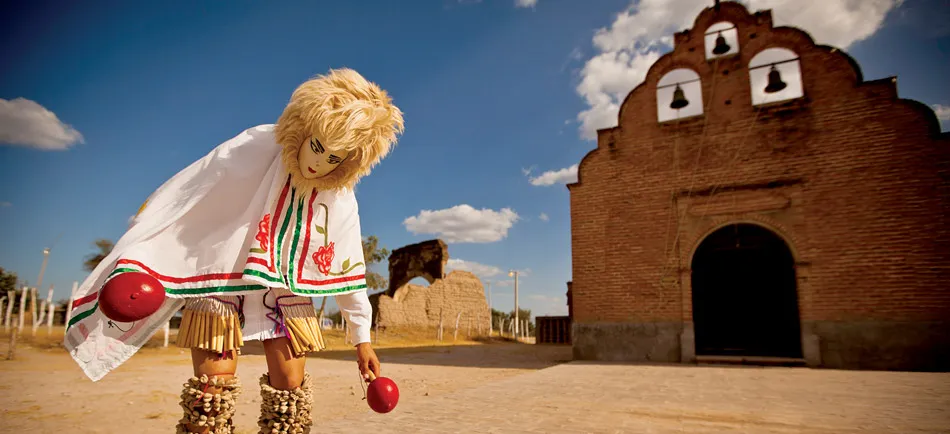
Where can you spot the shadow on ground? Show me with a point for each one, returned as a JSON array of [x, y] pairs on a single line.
[[491, 355]]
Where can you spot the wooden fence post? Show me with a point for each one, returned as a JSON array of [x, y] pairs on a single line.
[[440, 325], [69, 306], [49, 319], [33, 293], [13, 335], [22, 315], [44, 306], [376, 329], [11, 296]]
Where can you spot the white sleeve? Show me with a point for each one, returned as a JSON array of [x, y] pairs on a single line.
[[358, 314]]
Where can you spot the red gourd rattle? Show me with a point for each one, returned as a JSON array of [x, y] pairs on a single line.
[[382, 394], [130, 297]]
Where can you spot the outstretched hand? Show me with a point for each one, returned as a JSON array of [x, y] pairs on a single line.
[[367, 361]]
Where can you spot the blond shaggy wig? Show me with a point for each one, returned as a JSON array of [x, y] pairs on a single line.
[[345, 112]]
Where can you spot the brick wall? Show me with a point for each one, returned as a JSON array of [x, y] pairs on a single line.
[[853, 177]]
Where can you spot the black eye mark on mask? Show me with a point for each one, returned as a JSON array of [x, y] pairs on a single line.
[[334, 160], [316, 146]]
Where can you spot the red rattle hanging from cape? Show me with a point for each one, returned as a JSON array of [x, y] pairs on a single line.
[[130, 297]]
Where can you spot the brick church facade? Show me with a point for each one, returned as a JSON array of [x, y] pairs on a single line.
[[795, 213]]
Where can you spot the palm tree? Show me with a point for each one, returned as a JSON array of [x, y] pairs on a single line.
[[92, 261]]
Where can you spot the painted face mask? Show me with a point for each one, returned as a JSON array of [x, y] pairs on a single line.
[[316, 161]]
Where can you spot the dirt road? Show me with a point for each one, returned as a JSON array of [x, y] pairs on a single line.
[[44, 390]]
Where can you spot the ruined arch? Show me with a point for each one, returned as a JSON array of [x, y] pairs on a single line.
[[426, 260]]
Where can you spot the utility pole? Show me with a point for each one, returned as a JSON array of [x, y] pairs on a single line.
[[514, 273], [39, 281]]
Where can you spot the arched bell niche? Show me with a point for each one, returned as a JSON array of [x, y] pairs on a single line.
[[775, 74], [679, 94], [721, 40]]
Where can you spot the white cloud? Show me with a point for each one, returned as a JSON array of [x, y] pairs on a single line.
[[641, 33], [525, 3], [24, 122], [463, 224], [561, 176], [942, 111], [480, 270], [544, 217]]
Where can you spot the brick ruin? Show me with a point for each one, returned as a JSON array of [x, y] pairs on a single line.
[[406, 304]]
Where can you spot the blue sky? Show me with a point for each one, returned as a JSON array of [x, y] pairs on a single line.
[[495, 93]]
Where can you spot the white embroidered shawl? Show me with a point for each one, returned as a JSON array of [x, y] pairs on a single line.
[[230, 223]]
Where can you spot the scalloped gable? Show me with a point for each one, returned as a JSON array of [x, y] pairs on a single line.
[[852, 179], [840, 78]]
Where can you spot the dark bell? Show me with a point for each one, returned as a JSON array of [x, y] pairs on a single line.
[[775, 81], [721, 46], [679, 99]]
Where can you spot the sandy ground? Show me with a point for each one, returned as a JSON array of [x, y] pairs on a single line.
[[43, 389]]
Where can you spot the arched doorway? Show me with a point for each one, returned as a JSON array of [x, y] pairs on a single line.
[[745, 301]]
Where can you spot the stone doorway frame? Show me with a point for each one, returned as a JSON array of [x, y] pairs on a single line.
[[701, 228]]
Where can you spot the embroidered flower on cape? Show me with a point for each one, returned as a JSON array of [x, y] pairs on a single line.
[[262, 234], [323, 257]]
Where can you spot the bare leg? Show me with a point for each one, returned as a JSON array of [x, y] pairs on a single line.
[[285, 370], [213, 365]]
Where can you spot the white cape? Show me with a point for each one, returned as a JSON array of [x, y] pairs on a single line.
[[230, 223]]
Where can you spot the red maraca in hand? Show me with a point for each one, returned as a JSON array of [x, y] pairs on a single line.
[[382, 394], [130, 297]]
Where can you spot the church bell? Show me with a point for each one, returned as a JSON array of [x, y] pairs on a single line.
[[775, 81], [679, 99], [721, 46]]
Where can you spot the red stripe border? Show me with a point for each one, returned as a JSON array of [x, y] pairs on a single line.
[[259, 261], [334, 280], [170, 279], [87, 299], [276, 218], [305, 250], [306, 238]]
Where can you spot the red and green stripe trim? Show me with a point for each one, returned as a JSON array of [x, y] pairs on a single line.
[[170, 279], [280, 206], [184, 291], [303, 259], [329, 291], [283, 229], [293, 245], [83, 315], [87, 299]]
